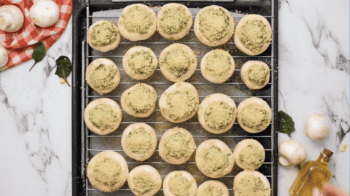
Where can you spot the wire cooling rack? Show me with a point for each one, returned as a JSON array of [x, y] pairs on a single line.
[[87, 144]]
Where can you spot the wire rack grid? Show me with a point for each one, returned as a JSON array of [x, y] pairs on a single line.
[[235, 88]]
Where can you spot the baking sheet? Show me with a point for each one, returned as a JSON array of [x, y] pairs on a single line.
[[234, 87]]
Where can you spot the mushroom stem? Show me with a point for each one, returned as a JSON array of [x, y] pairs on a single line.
[[283, 161], [291, 153]]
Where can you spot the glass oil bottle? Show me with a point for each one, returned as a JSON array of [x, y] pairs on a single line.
[[313, 174]]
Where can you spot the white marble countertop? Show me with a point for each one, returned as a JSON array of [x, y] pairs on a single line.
[[314, 69]]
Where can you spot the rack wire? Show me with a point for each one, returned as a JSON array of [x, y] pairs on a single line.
[[234, 88]]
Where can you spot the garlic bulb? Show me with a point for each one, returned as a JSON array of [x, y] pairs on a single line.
[[3, 56], [44, 13], [316, 127], [291, 153], [11, 18]]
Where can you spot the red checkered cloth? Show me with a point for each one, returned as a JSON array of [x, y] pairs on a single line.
[[21, 44]]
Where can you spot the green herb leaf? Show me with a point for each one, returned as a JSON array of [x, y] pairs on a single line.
[[38, 54], [286, 123], [64, 67]]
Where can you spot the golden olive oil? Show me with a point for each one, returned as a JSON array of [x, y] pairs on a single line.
[[313, 174]]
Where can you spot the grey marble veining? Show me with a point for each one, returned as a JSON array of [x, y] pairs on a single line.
[[314, 77], [314, 69], [36, 127]]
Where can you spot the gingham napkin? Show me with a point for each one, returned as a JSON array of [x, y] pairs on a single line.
[[21, 44]]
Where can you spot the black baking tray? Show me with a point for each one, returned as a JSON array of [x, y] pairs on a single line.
[[79, 35]]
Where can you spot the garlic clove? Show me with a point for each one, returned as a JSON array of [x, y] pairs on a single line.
[[343, 147], [316, 127], [291, 153], [3, 57], [44, 13], [11, 18], [62, 81]]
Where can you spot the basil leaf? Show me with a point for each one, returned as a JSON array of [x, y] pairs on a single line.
[[286, 123], [64, 68], [38, 54]]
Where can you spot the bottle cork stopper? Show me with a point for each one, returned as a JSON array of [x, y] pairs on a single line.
[[327, 152]]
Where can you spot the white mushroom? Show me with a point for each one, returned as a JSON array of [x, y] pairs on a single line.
[[291, 153], [316, 127], [3, 57], [44, 13], [36, 1], [11, 18]]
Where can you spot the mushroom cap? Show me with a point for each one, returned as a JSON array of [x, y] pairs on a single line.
[[180, 86], [241, 146], [247, 102], [36, 1], [244, 75], [166, 72], [217, 97], [44, 13], [239, 44], [137, 36], [184, 31], [162, 147], [116, 110], [221, 186], [291, 153], [127, 149], [122, 178], [316, 127], [129, 110], [93, 65], [200, 157], [152, 172], [216, 79], [108, 47], [166, 186], [11, 18], [223, 40], [129, 71], [257, 174], [3, 57]]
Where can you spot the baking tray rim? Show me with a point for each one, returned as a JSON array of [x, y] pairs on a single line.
[[79, 7]]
